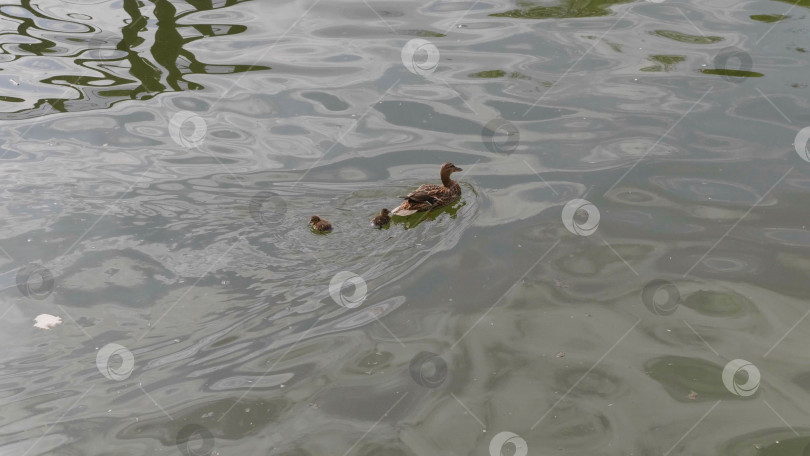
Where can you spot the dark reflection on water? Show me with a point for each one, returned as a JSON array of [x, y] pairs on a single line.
[[88, 67], [682, 376]]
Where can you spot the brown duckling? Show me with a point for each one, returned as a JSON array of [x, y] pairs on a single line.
[[430, 196], [320, 225], [382, 219]]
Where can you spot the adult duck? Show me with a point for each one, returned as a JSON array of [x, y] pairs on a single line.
[[430, 196]]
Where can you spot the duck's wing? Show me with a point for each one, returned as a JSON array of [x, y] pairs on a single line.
[[428, 188], [423, 198], [420, 197], [417, 201]]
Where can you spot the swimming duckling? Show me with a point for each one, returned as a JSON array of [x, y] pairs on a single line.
[[430, 196], [382, 219], [320, 225]]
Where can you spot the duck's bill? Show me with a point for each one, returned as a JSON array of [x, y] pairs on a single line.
[[459, 169]]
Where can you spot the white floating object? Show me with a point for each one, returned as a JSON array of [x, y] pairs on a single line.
[[46, 321]]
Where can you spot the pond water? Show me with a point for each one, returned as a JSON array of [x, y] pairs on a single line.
[[625, 272]]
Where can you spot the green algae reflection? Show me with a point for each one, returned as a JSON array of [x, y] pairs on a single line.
[[664, 62], [768, 18], [732, 73], [422, 33], [686, 38], [494, 74], [682, 376], [489, 74], [804, 3], [719, 304], [566, 9]]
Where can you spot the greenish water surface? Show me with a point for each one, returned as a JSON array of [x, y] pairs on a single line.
[[625, 272]]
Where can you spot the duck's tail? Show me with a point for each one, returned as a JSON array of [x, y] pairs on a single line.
[[402, 212]]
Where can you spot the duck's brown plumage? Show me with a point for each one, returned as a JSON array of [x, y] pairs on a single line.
[[429, 196], [319, 224], [382, 219]]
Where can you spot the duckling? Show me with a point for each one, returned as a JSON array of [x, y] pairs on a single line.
[[430, 196], [320, 225], [382, 219]]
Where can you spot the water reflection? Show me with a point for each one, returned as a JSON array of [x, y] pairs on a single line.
[[198, 260], [567, 8], [88, 67]]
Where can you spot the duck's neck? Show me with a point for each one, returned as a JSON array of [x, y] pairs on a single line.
[[446, 181]]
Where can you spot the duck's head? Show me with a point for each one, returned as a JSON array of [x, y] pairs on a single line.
[[315, 219], [385, 212], [450, 168]]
